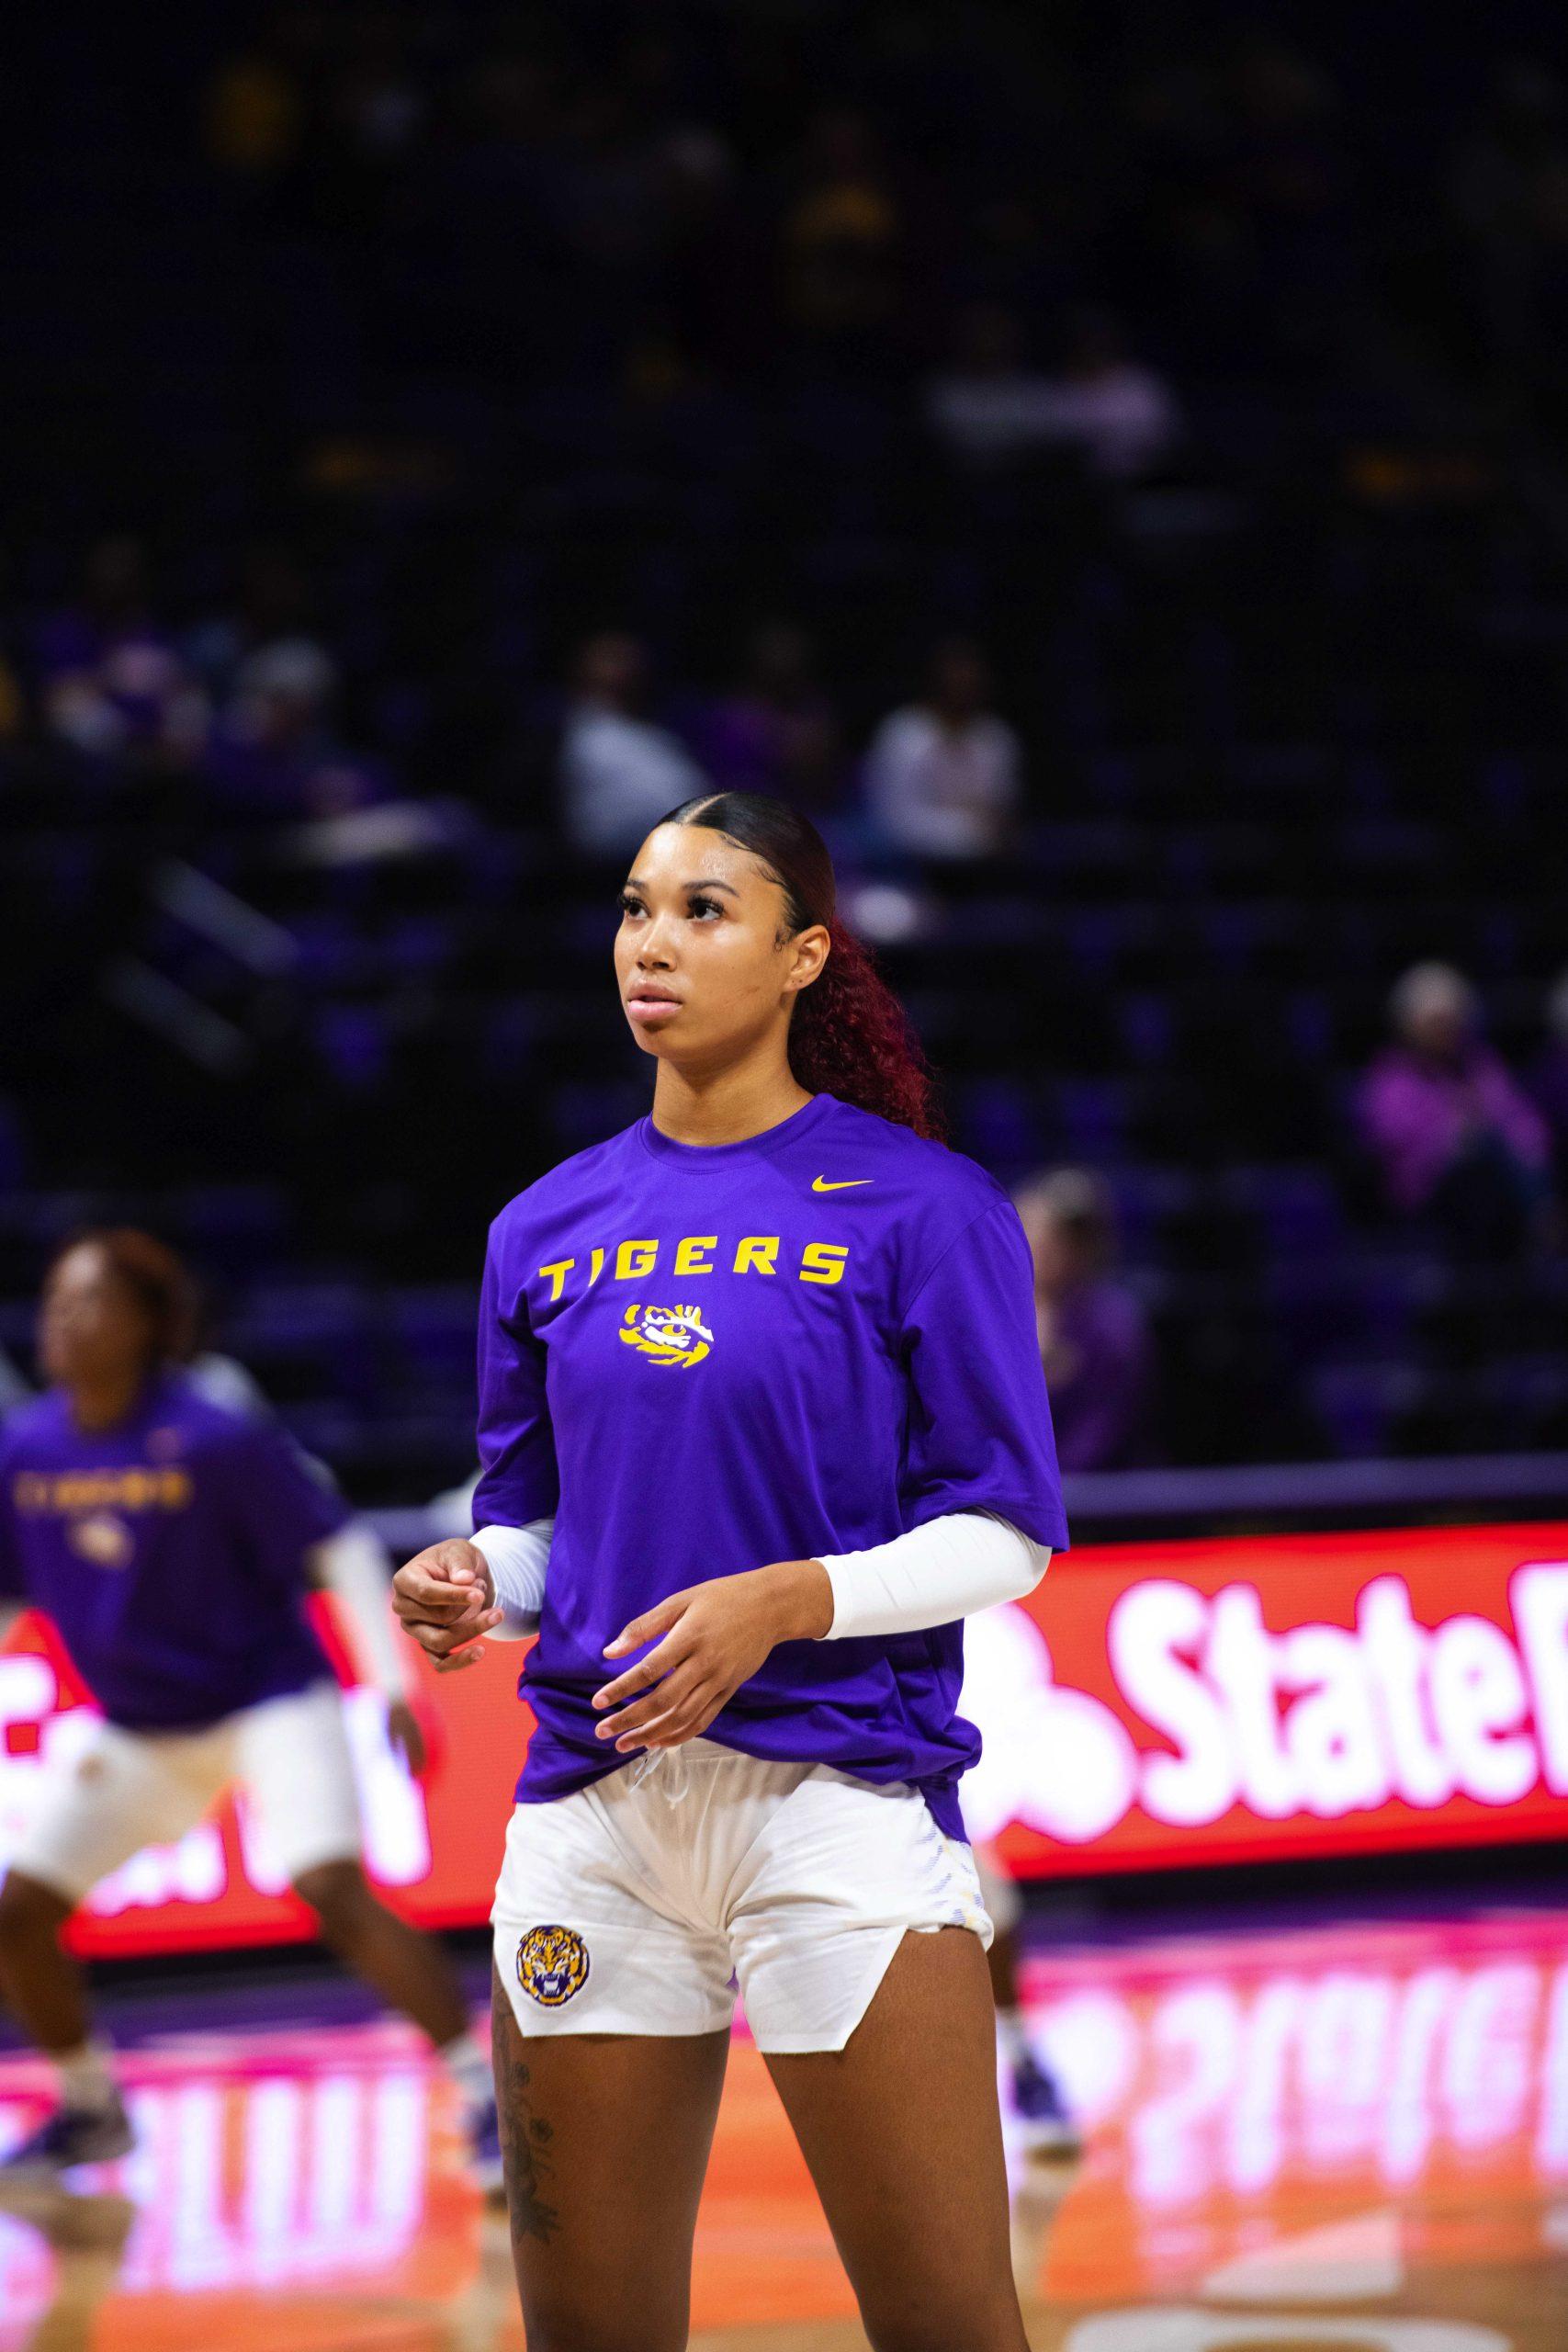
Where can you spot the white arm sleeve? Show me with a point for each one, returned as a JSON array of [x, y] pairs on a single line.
[[356, 1569], [949, 1568], [517, 1557]]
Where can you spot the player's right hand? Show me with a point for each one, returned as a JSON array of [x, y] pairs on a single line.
[[446, 1601]]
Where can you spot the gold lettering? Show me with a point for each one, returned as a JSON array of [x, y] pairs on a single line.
[[635, 1258], [557, 1275], [822, 1262], [597, 1268], [758, 1254], [689, 1258]]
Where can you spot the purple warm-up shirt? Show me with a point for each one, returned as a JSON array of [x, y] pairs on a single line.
[[702, 1359], [169, 1552]]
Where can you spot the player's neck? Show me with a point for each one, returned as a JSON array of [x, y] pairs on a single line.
[[726, 1105], [105, 1403]]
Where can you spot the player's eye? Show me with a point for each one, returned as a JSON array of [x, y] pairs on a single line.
[[701, 906], [629, 903]]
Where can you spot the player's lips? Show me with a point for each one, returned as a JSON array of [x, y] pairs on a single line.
[[651, 1004]]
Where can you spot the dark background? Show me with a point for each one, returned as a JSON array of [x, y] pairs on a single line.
[[436, 339]]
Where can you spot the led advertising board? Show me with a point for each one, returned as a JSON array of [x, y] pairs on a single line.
[[1153, 1705]]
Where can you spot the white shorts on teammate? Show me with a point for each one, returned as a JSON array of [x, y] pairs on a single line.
[[126, 1789]]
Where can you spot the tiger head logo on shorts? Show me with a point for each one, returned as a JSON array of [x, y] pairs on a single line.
[[667, 1334], [552, 1964]]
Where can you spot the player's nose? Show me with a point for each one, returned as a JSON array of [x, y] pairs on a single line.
[[653, 953]]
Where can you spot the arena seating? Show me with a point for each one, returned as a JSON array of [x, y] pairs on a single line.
[[1291, 709]]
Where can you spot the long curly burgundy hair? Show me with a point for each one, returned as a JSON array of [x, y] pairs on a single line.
[[848, 1035]]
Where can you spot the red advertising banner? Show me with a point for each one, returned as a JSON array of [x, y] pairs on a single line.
[[1153, 1705], [1261, 1697], [433, 1846]]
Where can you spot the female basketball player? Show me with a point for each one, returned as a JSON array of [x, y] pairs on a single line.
[[760, 1374], [171, 1542]]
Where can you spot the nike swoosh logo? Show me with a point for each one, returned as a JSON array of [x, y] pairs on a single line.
[[844, 1184]]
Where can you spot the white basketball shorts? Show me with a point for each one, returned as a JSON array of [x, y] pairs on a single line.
[[633, 1905], [130, 1789]]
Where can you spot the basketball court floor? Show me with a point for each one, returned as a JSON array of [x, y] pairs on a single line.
[[1305, 2134]]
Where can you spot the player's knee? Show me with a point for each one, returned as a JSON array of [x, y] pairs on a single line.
[[28, 1911], [340, 1900]]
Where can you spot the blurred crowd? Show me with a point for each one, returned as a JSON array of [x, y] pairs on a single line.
[[245, 699], [704, 191]]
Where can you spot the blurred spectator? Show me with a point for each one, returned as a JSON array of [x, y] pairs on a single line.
[[943, 776], [1456, 1138], [1121, 413], [843, 230], [1550, 1085], [1094, 1341], [272, 604], [619, 772], [987, 406], [113, 684], [777, 733], [992, 409], [275, 749]]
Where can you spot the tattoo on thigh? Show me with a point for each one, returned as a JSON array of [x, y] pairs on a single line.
[[526, 2135]]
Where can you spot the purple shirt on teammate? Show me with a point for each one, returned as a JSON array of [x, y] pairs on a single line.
[[169, 1552], [703, 1359]]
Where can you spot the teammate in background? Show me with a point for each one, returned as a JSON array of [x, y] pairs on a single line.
[[1094, 1335], [1048, 2126], [1095, 1348], [760, 1388], [173, 1544]]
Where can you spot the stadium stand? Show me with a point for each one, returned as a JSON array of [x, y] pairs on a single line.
[[300, 572]]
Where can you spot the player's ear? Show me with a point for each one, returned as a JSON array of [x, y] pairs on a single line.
[[809, 954]]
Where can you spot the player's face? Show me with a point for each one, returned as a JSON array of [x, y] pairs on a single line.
[[703, 960], [90, 1326]]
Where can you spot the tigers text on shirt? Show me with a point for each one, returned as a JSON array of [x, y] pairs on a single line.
[[695, 1253]]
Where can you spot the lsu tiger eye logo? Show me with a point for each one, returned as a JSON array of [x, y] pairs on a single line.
[[667, 1334], [101, 1538], [552, 1964]]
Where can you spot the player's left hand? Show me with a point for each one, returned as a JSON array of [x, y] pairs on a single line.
[[404, 1733], [710, 1639]]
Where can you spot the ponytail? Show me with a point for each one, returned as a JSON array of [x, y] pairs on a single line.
[[848, 1035], [851, 1037]]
